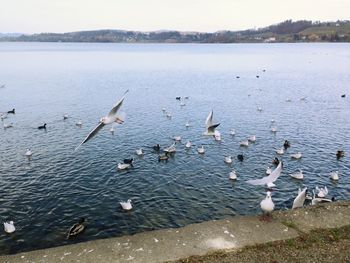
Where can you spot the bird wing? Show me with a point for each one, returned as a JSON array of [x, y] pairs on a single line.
[[91, 134], [300, 199], [268, 179], [117, 106], [209, 120], [211, 129]]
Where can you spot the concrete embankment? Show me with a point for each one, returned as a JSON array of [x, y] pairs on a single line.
[[196, 239]]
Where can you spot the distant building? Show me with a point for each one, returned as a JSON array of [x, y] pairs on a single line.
[[270, 39]]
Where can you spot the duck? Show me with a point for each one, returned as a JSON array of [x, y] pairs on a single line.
[[128, 161], [139, 152], [123, 166], [11, 111], [340, 154], [178, 98], [28, 153], [298, 175], [257, 76], [126, 205], [267, 205], [334, 176], [280, 151], [232, 132], [233, 175], [240, 157], [252, 138], [228, 159], [201, 149], [8, 125], [286, 144], [268, 170], [188, 144], [244, 143], [237, 77], [273, 129], [321, 192], [9, 227], [343, 96], [177, 138], [156, 147], [296, 155], [275, 161], [43, 127], [77, 228], [163, 157], [79, 123], [65, 116]]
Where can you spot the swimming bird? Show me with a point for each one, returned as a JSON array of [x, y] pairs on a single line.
[[233, 175], [11, 111], [170, 149], [296, 155], [163, 157], [289, 100], [210, 127], [112, 130], [112, 117], [128, 161], [217, 135], [139, 152], [156, 147], [177, 138], [303, 98], [334, 176], [201, 149], [298, 175], [321, 192], [187, 124], [286, 144], [273, 129], [9, 227], [300, 199], [267, 206], [123, 166], [126, 205], [252, 138], [317, 200], [343, 96], [43, 127], [244, 143], [280, 151], [232, 132], [188, 144], [268, 180], [228, 159], [168, 115], [8, 125], [3, 116], [77, 228], [259, 109], [65, 116], [268, 170], [340, 154], [182, 104], [79, 123], [257, 76], [240, 157], [28, 153], [275, 161], [178, 98]]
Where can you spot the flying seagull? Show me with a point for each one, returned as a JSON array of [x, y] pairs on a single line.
[[110, 118], [209, 125], [268, 180]]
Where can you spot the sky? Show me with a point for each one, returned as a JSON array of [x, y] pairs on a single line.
[[36, 16]]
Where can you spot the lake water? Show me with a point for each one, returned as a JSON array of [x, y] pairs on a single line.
[[47, 195]]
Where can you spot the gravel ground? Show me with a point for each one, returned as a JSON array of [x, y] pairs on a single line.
[[331, 245]]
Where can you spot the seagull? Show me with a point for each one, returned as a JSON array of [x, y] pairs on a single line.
[[126, 205], [9, 227], [187, 124], [316, 200], [168, 115], [334, 175], [28, 153], [289, 100], [267, 205], [296, 155], [112, 130], [244, 143], [233, 175], [210, 127], [260, 109], [201, 150], [188, 144], [79, 123], [65, 116], [170, 149], [268, 180], [298, 175], [123, 166], [232, 132], [321, 192], [300, 199], [273, 129], [280, 151], [139, 152], [252, 138], [177, 138], [110, 118], [217, 135], [228, 159], [8, 125]]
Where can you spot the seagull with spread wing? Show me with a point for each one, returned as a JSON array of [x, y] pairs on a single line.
[[209, 125], [268, 180], [112, 117]]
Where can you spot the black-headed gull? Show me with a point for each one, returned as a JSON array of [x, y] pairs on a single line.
[[112, 117], [126, 205], [210, 127], [300, 199], [268, 180], [9, 227]]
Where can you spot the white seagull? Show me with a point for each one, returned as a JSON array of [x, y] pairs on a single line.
[[9, 227], [110, 118], [170, 149], [296, 155], [188, 144], [268, 170], [217, 135], [321, 192], [280, 151], [334, 175], [244, 143], [268, 180], [298, 175], [123, 166], [28, 153], [267, 205], [232, 132], [228, 159], [233, 175], [201, 150], [252, 138], [210, 127], [139, 152], [126, 205], [300, 199]]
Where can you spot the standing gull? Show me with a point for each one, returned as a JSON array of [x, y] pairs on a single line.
[[110, 118]]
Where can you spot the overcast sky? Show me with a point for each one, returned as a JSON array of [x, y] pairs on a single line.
[[35, 16]]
